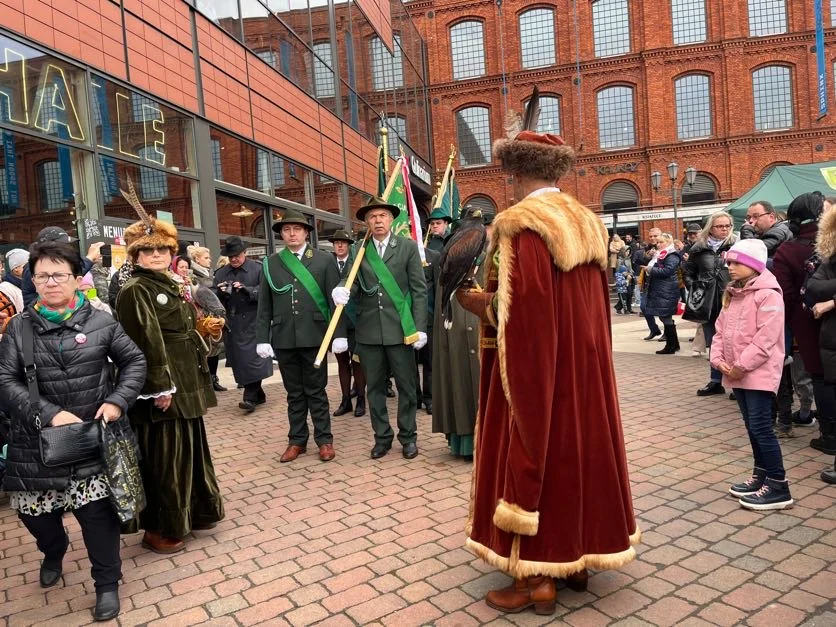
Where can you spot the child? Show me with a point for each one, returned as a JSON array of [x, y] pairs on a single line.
[[748, 349], [622, 288]]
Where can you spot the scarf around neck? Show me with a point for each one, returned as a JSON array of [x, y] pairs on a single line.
[[714, 243], [55, 316]]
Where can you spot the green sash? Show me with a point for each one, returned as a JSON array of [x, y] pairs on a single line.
[[298, 270], [402, 305]]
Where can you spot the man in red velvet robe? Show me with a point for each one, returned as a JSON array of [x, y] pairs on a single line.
[[551, 493]]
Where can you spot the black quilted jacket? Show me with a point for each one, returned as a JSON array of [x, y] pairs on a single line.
[[73, 375]]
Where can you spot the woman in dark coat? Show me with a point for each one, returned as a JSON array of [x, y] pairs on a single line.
[[820, 293], [71, 343], [706, 276], [155, 309], [662, 276]]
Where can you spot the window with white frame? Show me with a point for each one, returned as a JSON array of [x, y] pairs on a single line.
[[323, 76], [396, 133], [269, 57], [767, 17], [611, 27], [692, 95], [772, 92], [616, 120], [153, 184], [473, 128], [833, 12], [688, 17], [537, 38], [387, 68], [467, 43]]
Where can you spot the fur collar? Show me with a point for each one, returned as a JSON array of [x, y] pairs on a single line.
[[826, 237]]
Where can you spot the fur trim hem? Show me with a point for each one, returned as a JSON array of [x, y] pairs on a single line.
[[514, 519], [519, 569]]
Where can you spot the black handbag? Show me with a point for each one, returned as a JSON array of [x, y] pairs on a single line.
[[702, 300], [59, 446]]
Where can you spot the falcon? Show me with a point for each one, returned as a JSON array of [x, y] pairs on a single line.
[[458, 260]]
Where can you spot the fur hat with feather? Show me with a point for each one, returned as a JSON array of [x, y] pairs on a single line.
[[526, 152], [148, 232]]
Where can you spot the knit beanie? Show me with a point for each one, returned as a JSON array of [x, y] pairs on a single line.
[[749, 252], [17, 257]]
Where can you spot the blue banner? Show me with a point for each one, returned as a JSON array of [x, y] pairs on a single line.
[[111, 179], [820, 67], [10, 162]]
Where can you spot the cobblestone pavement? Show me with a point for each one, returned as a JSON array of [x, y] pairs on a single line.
[[360, 542]]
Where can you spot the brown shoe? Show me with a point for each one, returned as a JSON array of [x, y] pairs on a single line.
[[578, 581], [523, 593], [159, 543], [292, 452], [326, 452]]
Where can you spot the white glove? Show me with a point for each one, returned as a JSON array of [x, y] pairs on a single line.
[[422, 341], [340, 345], [340, 295], [264, 351]]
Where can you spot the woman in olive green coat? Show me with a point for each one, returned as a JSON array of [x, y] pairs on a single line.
[[155, 309]]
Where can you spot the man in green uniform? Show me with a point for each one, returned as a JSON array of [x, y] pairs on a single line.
[[391, 298], [439, 222], [293, 315]]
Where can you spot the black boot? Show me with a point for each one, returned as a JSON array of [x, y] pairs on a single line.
[[653, 335], [828, 475], [107, 605], [216, 384], [360, 409], [827, 442], [345, 406], [671, 341]]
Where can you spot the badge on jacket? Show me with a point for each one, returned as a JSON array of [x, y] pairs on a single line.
[[162, 299], [308, 253]]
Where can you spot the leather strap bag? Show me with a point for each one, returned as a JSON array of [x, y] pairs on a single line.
[[60, 446]]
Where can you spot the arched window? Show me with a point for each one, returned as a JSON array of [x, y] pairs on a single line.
[[616, 124], [611, 27], [768, 169], [387, 68], [688, 18], [153, 184], [767, 17], [50, 188], [693, 107], [483, 203], [323, 75], [702, 192], [397, 133], [467, 42], [772, 91], [473, 128], [549, 121], [619, 195], [537, 38]]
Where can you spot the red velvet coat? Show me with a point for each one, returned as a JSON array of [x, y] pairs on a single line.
[[551, 493]]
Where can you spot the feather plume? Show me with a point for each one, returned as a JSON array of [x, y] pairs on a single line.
[[133, 201], [532, 111], [513, 124]]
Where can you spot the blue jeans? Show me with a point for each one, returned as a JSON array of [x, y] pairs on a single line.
[[651, 321], [756, 407], [708, 330]]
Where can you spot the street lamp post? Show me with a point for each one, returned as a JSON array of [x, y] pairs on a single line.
[[673, 174]]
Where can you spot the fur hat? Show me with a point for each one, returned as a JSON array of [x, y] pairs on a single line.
[[159, 234], [749, 252], [535, 155]]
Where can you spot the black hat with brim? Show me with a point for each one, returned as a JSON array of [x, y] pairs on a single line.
[[341, 236], [377, 203], [234, 245], [291, 216]]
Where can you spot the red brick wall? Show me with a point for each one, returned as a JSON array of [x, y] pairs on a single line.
[[735, 157]]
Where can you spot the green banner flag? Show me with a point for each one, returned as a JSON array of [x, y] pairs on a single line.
[[397, 196]]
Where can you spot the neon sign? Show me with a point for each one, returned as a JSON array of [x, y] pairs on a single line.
[[6, 94]]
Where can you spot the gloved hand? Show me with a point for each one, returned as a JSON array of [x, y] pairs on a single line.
[[340, 345], [340, 295], [264, 351], [422, 341]]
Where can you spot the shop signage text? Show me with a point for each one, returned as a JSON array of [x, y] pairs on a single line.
[[419, 171], [618, 168]]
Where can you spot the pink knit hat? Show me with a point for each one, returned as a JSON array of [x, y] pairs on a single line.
[[749, 252]]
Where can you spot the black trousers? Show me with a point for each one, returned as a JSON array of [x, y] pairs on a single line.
[[100, 530], [253, 393], [305, 387], [424, 357]]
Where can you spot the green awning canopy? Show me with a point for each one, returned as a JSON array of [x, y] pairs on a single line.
[[784, 183]]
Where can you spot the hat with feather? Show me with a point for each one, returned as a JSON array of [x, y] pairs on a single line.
[[148, 232], [526, 152]]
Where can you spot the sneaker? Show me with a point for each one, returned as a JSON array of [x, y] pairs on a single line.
[[798, 421], [751, 485], [773, 495]]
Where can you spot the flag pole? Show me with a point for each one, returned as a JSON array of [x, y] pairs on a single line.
[[446, 178], [384, 136], [433, 203]]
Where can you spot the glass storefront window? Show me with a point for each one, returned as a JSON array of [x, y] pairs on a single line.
[[244, 218], [293, 184], [296, 15], [224, 13], [130, 124], [327, 194], [41, 93], [324, 230], [158, 191], [357, 199], [239, 163]]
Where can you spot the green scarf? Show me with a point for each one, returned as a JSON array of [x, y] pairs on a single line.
[[55, 316]]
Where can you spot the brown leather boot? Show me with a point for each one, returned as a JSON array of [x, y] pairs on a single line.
[[291, 452], [537, 591], [159, 543]]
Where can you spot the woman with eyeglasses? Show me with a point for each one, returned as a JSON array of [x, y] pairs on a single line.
[[706, 277], [155, 307], [71, 343]]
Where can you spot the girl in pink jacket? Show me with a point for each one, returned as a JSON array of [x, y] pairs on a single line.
[[748, 349]]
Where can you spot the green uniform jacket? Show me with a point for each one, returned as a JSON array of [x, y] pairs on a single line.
[[162, 324], [377, 320], [436, 243], [292, 319]]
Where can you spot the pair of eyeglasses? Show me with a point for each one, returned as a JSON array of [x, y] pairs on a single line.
[[723, 226], [755, 217], [59, 277]]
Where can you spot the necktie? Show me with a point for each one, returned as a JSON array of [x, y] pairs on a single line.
[[299, 255], [342, 266], [380, 249]]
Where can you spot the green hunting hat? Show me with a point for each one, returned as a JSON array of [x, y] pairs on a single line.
[[341, 236], [377, 203], [291, 216], [440, 214]]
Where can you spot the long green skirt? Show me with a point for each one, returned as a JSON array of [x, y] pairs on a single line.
[[180, 485], [460, 445]]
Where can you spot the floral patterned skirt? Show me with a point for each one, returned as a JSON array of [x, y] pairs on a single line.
[[79, 493]]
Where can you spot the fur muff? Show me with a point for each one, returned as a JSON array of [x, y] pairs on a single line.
[[162, 235], [514, 519], [534, 160]]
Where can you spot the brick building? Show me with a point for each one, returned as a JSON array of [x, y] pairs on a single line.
[[728, 88]]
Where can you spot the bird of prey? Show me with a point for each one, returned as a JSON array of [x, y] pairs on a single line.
[[458, 260]]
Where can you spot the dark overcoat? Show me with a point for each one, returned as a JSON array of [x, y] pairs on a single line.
[[663, 285]]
